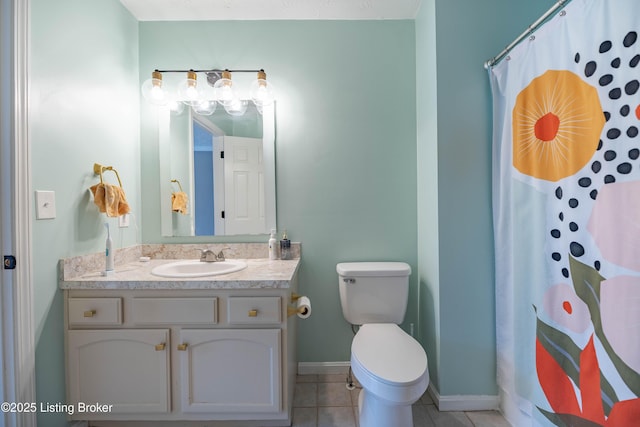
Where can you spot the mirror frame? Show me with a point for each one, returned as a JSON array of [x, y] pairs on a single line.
[[166, 188]]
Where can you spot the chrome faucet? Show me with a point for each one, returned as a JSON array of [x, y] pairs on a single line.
[[207, 255]]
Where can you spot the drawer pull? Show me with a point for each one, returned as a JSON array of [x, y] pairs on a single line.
[[160, 347], [182, 347], [89, 313], [253, 313]]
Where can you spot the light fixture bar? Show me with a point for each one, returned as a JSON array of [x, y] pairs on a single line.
[[214, 70]]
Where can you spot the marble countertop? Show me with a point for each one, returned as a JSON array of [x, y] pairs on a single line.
[[260, 274]]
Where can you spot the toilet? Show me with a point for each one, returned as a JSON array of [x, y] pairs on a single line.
[[390, 365]]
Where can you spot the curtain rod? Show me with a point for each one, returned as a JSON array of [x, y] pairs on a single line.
[[530, 29]]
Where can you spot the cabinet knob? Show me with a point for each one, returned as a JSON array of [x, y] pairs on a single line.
[[89, 313], [160, 347], [182, 347], [253, 313]]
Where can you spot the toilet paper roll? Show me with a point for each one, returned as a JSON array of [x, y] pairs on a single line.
[[304, 307]]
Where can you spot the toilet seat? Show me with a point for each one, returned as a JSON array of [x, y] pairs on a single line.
[[389, 363], [388, 354], [392, 368]]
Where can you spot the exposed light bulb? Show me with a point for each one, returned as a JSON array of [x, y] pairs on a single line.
[[153, 90], [189, 90], [157, 93], [223, 90], [261, 92]]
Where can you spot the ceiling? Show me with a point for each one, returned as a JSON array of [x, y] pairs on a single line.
[[223, 10]]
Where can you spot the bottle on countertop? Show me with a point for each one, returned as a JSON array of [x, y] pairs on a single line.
[[285, 247], [273, 245], [108, 252]]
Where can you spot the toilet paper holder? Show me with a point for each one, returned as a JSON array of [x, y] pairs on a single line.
[[302, 309], [292, 311]]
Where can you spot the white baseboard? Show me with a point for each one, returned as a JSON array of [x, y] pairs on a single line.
[[463, 402], [323, 368], [444, 403]]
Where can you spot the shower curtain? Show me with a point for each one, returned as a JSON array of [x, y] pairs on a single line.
[[566, 190]]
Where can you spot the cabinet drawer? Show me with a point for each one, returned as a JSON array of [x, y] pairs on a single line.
[[95, 311], [193, 311], [253, 310]]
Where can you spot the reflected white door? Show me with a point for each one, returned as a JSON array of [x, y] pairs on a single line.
[[244, 186]]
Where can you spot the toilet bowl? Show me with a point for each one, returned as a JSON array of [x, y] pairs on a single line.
[[391, 366]]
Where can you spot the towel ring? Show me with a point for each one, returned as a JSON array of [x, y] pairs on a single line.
[[177, 182], [98, 169]]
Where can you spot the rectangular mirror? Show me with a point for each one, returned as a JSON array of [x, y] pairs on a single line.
[[224, 166]]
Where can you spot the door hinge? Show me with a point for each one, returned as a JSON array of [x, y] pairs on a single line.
[[9, 262], [222, 154], [222, 214]]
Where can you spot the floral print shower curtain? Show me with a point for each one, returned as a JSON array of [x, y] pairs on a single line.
[[566, 190]]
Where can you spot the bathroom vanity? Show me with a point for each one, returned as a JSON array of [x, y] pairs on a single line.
[[180, 351]]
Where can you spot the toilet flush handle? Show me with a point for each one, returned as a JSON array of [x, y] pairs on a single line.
[[349, 280]]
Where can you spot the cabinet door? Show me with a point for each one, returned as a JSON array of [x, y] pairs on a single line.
[[230, 370], [126, 368]]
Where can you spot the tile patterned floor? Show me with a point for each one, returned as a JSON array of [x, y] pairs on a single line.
[[324, 401]]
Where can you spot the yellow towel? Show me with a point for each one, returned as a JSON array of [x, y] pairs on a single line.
[[110, 199], [179, 202]]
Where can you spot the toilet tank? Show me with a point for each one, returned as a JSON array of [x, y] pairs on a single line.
[[373, 292]]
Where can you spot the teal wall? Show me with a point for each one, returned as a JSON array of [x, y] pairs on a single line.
[[456, 283], [83, 108], [345, 145]]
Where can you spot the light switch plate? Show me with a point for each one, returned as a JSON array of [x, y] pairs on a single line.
[[45, 204], [123, 221]]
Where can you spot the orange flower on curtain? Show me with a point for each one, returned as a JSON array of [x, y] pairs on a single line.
[[557, 121]]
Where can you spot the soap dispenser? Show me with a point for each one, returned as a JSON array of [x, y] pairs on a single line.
[[273, 245], [285, 247]]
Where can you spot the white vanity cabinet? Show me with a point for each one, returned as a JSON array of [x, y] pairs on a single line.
[[181, 357]]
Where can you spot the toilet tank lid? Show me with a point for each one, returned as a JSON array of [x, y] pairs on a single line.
[[381, 269]]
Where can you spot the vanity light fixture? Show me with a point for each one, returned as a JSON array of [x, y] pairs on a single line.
[[203, 96]]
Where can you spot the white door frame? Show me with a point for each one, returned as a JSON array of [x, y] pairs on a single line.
[[16, 298]]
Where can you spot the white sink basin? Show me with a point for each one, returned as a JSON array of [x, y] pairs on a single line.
[[197, 268]]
